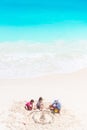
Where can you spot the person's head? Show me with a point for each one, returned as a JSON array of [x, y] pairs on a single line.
[[56, 101], [32, 101], [40, 99]]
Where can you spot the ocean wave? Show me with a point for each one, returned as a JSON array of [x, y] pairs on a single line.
[[26, 59]]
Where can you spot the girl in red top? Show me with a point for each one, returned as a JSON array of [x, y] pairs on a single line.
[[29, 105]]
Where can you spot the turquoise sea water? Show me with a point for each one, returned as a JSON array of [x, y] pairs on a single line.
[[42, 37], [43, 20]]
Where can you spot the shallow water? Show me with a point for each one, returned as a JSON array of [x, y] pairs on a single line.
[[27, 59], [42, 37]]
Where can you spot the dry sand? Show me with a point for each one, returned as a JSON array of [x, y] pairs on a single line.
[[70, 89]]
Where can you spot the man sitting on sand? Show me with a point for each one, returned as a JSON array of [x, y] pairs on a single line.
[[55, 106], [29, 105]]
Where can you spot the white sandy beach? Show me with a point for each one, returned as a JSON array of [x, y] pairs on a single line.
[[70, 89]]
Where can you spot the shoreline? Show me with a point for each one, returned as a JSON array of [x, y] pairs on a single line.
[[64, 82]]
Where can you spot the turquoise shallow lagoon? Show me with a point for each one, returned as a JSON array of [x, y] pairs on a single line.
[[42, 37], [43, 20]]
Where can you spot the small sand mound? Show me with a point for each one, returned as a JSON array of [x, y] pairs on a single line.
[[18, 118]]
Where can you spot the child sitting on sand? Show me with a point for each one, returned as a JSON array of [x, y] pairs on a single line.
[[29, 105], [39, 104], [55, 106]]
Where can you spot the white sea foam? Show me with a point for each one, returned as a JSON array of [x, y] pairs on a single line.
[[26, 59]]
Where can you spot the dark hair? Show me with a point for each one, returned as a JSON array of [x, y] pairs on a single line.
[[32, 100], [40, 98]]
